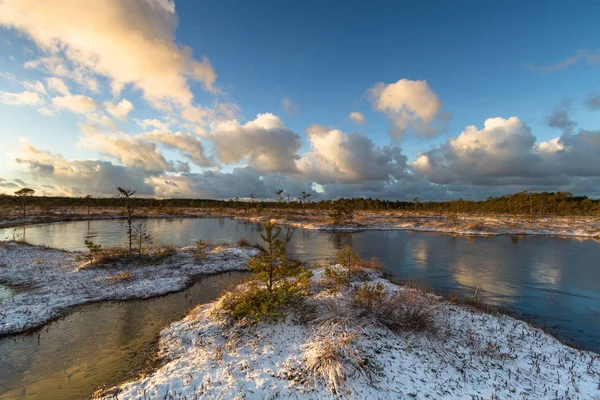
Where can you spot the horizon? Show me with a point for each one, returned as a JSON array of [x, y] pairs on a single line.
[[178, 99]]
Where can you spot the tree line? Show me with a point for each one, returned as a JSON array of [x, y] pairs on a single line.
[[521, 203]]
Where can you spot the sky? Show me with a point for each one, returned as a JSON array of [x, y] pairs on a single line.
[[394, 100]]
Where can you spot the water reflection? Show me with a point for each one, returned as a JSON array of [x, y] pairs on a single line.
[[555, 279], [99, 344]]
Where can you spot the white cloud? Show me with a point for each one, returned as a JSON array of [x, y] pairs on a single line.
[[120, 110], [129, 42], [266, 143], [357, 118], [348, 157], [409, 104], [78, 104], [58, 85], [25, 98]]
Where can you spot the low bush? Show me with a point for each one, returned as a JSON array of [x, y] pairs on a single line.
[[163, 252], [407, 311], [200, 250], [243, 243], [255, 303]]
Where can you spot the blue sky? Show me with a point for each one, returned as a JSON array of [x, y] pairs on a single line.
[[477, 60]]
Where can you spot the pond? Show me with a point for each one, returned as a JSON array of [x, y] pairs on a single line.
[[555, 281]]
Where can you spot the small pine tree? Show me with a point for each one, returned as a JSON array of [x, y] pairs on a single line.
[[141, 237], [201, 246], [349, 259], [127, 194], [273, 264], [93, 249]]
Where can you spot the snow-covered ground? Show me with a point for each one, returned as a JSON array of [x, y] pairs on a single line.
[[577, 227], [50, 281], [468, 355]]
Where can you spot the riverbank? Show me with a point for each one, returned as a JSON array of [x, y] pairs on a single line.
[[473, 225], [584, 227], [460, 353], [51, 281]]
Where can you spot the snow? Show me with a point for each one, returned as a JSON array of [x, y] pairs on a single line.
[[53, 280], [471, 355], [574, 227]]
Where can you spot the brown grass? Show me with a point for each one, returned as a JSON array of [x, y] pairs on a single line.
[[123, 276], [332, 356]]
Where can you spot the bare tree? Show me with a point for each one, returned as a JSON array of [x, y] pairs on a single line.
[[23, 194], [127, 194], [279, 194], [88, 198], [304, 196]]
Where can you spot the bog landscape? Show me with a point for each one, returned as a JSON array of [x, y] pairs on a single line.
[[263, 200]]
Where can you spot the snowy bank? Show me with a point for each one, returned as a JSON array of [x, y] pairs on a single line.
[[50, 281], [468, 355], [575, 227]]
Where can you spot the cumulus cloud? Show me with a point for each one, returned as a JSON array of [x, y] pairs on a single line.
[[348, 158], [409, 105], [78, 103], [120, 110], [25, 98], [189, 145], [357, 118], [559, 118], [505, 153], [265, 143], [501, 151], [58, 85], [288, 106], [129, 42], [79, 176]]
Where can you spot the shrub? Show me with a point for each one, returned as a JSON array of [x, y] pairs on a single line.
[[243, 243], [164, 252], [111, 254], [408, 310], [255, 303]]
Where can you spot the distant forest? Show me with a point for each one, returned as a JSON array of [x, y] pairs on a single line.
[[522, 203]]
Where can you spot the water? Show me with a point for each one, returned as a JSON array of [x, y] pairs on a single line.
[[97, 344], [556, 280]]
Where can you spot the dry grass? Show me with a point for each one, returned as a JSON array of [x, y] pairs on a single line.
[[123, 276], [332, 355], [407, 311]]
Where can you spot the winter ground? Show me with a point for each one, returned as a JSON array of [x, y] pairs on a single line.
[[50, 281], [576, 227], [585, 227], [467, 355]]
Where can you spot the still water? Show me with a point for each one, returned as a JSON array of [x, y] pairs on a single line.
[[554, 281]]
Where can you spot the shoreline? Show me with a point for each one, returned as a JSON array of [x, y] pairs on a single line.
[[472, 355], [584, 228], [54, 282]]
